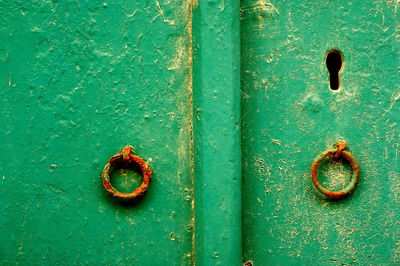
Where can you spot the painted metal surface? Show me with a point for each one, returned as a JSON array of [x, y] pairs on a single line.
[[79, 80], [216, 102], [290, 115]]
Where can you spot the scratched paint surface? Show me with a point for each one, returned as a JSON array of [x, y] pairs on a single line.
[[78, 81], [289, 116]]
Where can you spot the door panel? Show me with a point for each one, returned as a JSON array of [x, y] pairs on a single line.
[[290, 115], [80, 80]]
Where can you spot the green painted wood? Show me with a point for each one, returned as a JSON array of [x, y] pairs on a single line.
[[81, 79], [216, 100], [289, 116], [78, 81]]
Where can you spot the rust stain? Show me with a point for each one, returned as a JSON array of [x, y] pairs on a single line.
[[336, 152], [126, 155]]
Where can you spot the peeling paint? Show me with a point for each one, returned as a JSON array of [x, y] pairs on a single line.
[[79, 81], [286, 97]]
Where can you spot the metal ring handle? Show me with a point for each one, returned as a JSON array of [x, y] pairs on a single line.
[[126, 155], [339, 150]]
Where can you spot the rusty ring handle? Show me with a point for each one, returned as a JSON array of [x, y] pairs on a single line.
[[126, 155], [338, 150]]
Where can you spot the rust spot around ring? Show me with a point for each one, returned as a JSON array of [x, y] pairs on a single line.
[[126, 155]]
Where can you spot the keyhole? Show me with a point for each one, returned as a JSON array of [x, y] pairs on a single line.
[[334, 62]]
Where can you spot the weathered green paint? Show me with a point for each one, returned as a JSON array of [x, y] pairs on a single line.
[[79, 80], [216, 101], [289, 116]]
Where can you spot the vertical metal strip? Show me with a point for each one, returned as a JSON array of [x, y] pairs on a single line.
[[216, 120]]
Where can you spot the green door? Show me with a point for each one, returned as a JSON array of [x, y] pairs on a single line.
[[291, 113], [79, 81], [275, 84]]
